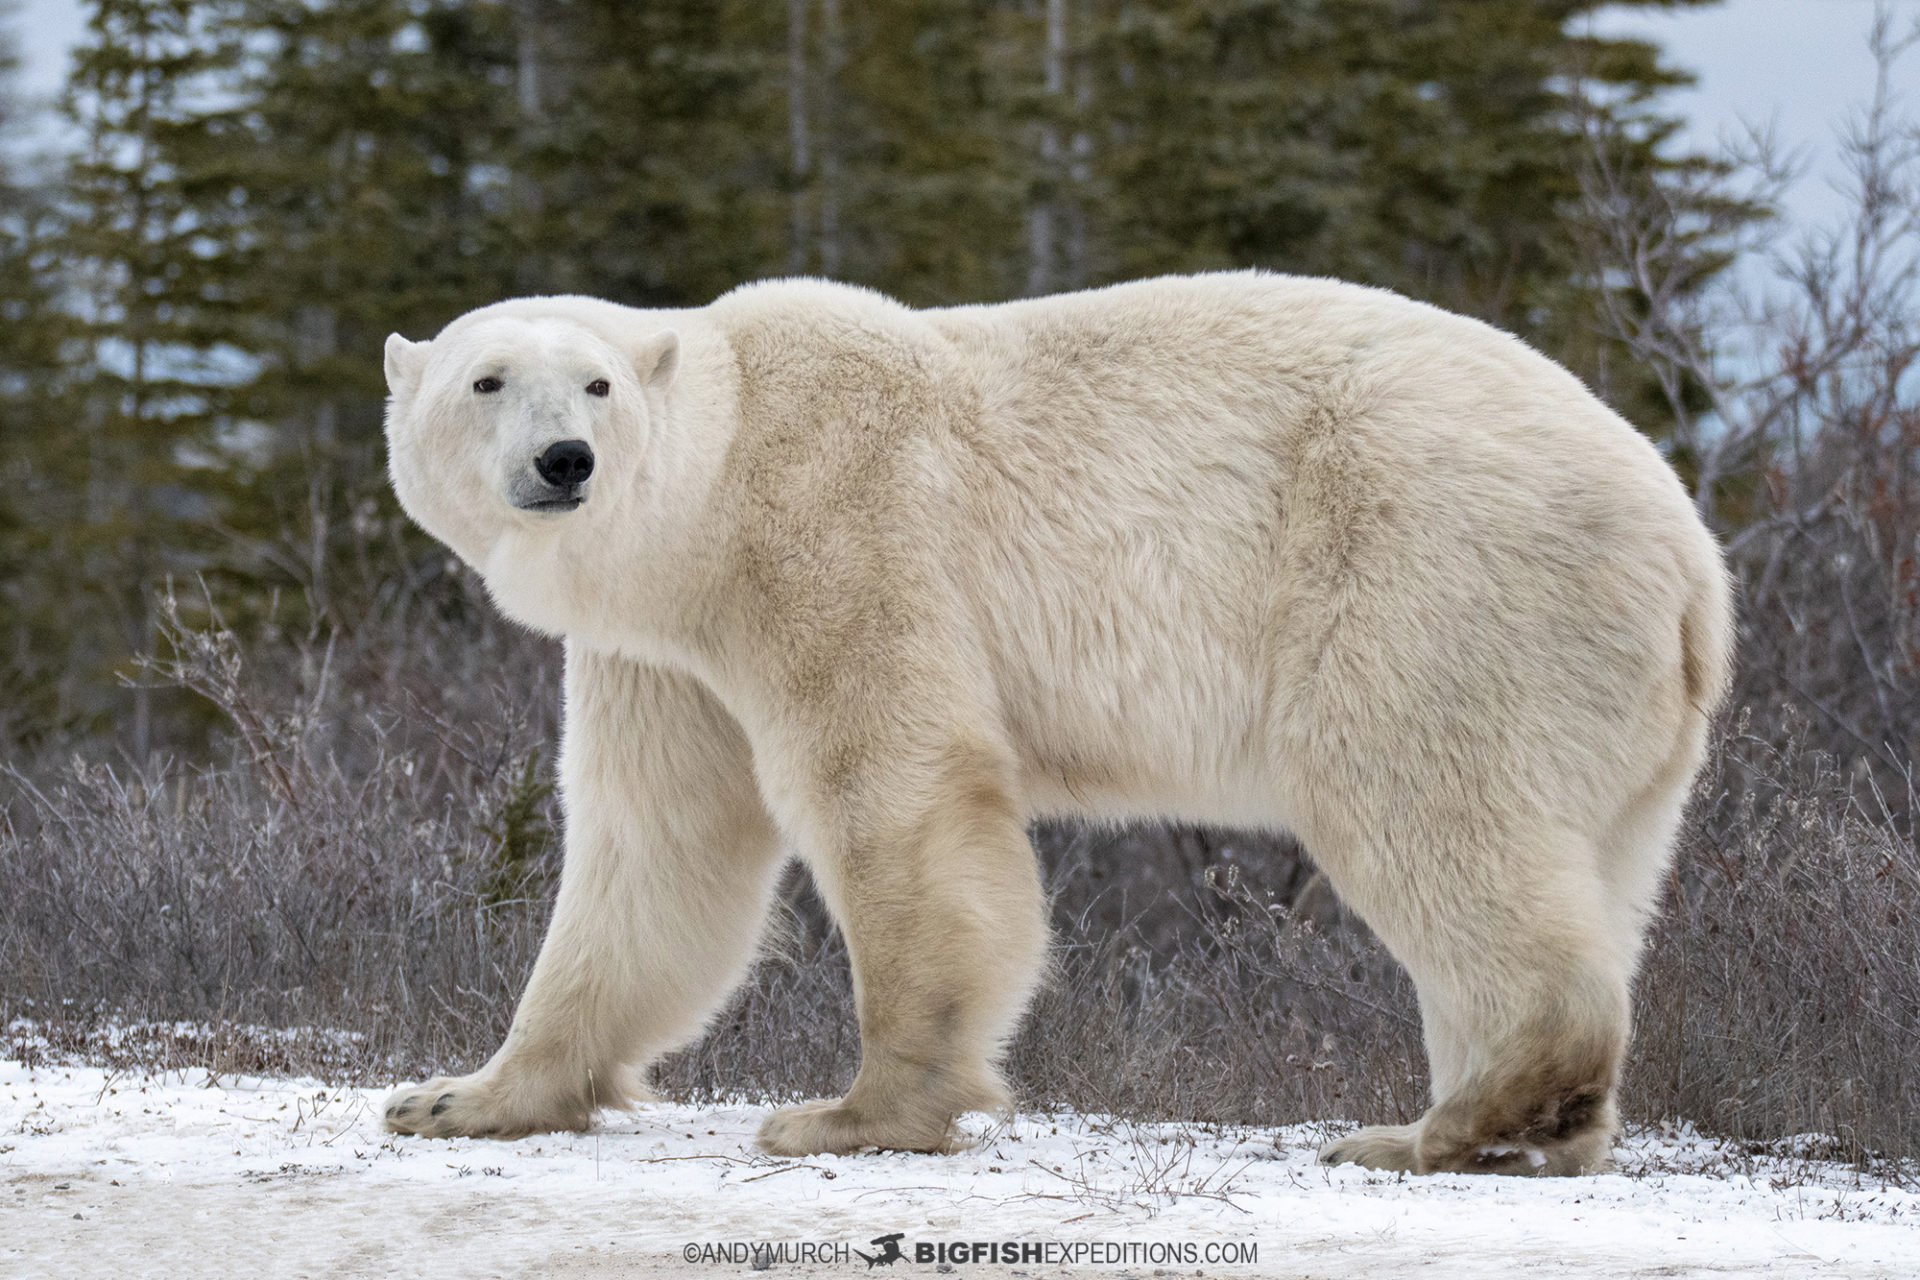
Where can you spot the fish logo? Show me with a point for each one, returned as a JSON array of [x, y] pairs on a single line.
[[889, 1251]]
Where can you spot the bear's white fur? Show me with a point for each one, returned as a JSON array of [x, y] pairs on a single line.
[[880, 585]]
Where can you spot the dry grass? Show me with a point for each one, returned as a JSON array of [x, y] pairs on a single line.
[[1781, 993]]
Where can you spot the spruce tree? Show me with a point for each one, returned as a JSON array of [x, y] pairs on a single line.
[[658, 143], [147, 245], [375, 164], [35, 625], [1429, 146]]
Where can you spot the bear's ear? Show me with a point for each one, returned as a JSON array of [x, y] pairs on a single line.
[[656, 358], [405, 360]]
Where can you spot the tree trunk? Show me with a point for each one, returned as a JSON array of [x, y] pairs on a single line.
[[797, 249]]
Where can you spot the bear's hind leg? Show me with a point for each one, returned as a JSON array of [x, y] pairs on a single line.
[[1539, 1097], [946, 927], [1525, 995]]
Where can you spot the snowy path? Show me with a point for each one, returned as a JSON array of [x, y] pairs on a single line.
[[177, 1176]]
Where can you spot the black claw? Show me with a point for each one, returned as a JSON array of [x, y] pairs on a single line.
[[444, 1101], [399, 1109]]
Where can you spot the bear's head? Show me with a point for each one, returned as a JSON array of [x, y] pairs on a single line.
[[518, 422]]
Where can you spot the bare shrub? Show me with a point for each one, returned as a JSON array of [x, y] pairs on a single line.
[[204, 898], [1793, 402], [1253, 1014], [347, 864], [1781, 992]]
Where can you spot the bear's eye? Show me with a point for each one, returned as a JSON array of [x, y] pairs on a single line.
[[487, 386], [598, 387]]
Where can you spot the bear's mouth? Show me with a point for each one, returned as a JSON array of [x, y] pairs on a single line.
[[527, 491], [554, 505]]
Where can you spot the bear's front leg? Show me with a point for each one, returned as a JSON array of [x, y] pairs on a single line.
[[670, 870], [929, 872]]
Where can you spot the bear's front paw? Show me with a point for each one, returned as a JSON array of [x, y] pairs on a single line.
[[453, 1107], [1383, 1146], [834, 1128]]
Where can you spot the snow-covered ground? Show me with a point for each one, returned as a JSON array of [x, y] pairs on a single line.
[[184, 1175]]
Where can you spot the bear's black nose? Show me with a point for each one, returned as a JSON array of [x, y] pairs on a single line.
[[567, 463]]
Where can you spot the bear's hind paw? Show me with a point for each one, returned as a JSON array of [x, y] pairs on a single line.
[[1383, 1146]]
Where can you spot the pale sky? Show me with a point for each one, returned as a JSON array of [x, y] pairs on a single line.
[[1798, 64]]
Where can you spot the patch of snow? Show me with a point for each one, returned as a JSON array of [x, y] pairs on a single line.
[[183, 1174]]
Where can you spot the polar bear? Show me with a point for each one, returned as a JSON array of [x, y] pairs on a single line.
[[880, 585]]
